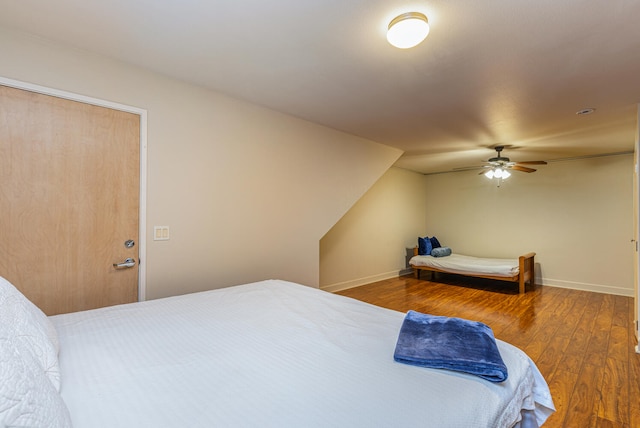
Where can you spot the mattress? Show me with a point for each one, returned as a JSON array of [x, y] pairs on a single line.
[[272, 354], [465, 265]]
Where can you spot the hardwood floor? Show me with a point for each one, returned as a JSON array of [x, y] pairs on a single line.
[[582, 342]]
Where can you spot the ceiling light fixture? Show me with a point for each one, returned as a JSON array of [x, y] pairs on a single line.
[[498, 173], [585, 111], [408, 30]]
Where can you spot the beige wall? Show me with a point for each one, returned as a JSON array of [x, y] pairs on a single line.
[[576, 215], [247, 192], [371, 241]]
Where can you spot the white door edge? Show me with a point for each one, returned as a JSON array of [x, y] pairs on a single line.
[[636, 176]]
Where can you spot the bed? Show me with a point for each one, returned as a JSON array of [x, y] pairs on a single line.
[[520, 270], [269, 354]]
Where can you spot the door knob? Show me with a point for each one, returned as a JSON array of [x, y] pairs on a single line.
[[128, 263]]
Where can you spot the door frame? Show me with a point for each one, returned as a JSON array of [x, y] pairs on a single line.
[[636, 228], [142, 113]]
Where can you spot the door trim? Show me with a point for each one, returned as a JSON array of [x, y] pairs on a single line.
[[142, 113], [636, 228]]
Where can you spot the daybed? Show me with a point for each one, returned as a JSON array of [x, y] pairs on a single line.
[[266, 354], [520, 270]]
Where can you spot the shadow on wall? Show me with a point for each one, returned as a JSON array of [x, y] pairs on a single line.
[[537, 271], [409, 255]]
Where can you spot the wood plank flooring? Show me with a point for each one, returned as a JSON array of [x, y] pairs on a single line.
[[582, 342]]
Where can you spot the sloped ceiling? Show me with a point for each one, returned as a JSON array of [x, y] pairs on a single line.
[[503, 72]]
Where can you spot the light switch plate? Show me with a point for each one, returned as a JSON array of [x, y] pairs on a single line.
[[160, 233]]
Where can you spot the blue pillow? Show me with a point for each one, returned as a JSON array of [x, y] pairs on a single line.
[[424, 246], [441, 252], [435, 243]]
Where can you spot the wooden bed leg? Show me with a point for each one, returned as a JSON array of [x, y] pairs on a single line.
[[527, 267], [522, 264], [416, 273], [532, 277]]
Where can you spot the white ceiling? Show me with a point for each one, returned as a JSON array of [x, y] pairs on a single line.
[[500, 72]]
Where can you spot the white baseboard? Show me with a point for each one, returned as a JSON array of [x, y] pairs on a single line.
[[366, 280], [596, 288], [583, 286]]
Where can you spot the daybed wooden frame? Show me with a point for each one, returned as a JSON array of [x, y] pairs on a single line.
[[526, 273]]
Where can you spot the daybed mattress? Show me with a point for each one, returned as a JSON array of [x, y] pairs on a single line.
[[271, 354], [458, 263]]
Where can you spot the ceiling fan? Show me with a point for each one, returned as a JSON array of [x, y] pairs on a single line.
[[499, 166]]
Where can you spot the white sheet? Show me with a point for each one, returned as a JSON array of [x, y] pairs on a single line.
[[270, 354], [457, 263]]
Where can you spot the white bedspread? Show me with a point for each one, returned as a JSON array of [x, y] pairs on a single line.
[[270, 354], [457, 263]]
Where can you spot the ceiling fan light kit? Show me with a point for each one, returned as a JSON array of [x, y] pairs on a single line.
[[408, 30], [497, 173]]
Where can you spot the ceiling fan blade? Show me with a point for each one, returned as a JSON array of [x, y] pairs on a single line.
[[522, 168], [532, 163]]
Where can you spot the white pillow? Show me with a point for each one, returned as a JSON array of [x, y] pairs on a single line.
[[27, 397], [25, 322]]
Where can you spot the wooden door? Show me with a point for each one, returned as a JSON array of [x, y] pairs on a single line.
[[69, 200]]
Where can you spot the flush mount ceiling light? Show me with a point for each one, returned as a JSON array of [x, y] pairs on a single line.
[[408, 30]]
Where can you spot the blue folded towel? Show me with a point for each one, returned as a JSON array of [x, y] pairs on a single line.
[[451, 344]]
